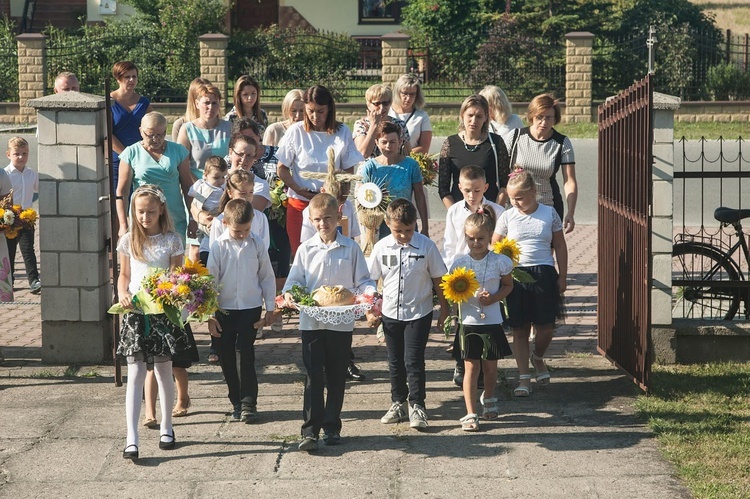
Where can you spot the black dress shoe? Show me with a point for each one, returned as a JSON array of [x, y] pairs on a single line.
[[130, 454], [354, 374], [167, 445]]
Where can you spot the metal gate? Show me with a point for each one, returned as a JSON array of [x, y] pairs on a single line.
[[624, 207]]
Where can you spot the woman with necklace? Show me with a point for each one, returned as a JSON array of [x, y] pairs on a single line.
[[128, 108], [473, 145]]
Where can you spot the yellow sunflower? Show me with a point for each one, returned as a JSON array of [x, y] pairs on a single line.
[[509, 248], [29, 216], [459, 285], [194, 267]]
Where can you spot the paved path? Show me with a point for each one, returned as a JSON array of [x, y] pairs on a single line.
[[62, 436]]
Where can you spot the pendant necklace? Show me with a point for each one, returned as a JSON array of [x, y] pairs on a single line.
[[482, 315], [473, 148]]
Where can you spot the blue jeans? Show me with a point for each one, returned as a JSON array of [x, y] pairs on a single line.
[[25, 240]]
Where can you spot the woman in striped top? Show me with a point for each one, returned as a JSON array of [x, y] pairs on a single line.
[[543, 151]]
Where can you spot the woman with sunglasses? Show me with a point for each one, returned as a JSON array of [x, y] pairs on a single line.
[[378, 98]]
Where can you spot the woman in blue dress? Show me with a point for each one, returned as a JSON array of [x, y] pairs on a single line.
[[128, 108]]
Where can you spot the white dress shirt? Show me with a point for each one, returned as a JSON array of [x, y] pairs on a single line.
[[259, 227], [319, 264], [242, 269], [407, 272], [454, 238], [25, 185]]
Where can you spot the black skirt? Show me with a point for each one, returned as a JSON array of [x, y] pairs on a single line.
[[474, 345], [163, 339], [539, 302]]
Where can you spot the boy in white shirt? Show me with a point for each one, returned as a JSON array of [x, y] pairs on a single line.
[[328, 258], [239, 261], [411, 268], [25, 186], [473, 184]]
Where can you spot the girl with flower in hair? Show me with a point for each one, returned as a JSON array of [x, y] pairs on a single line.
[[150, 243]]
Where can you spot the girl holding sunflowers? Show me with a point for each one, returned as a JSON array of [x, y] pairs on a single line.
[[478, 282]]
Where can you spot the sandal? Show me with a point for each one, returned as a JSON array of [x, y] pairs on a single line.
[[150, 423], [213, 358], [490, 409], [523, 391], [178, 413], [470, 422], [542, 377]]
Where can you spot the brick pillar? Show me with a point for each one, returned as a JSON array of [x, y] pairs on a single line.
[[579, 48], [32, 73], [214, 66], [394, 53], [73, 227]]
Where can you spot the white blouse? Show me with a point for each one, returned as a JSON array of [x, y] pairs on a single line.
[[158, 252]]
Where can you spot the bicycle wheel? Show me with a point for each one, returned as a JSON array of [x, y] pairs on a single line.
[[700, 262]]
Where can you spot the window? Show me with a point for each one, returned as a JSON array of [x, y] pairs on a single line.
[[380, 11]]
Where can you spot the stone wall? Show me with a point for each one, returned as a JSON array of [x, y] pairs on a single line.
[[73, 228]]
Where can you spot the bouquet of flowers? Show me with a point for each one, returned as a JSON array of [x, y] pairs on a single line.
[[13, 219], [510, 248], [278, 202], [428, 165], [190, 288]]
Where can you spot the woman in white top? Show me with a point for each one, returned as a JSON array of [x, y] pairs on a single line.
[[501, 112], [304, 148], [407, 105], [292, 110]]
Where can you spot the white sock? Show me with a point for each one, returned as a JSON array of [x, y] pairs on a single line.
[[133, 396], [163, 373]]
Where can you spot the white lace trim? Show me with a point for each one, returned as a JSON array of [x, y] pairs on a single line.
[[343, 314]]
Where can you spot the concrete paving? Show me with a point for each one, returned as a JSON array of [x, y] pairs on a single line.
[[63, 427]]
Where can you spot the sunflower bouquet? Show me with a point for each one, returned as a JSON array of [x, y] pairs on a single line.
[[190, 288], [14, 219], [279, 201], [511, 249], [428, 165]]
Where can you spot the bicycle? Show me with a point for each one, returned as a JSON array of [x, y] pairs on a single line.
[[706, 280]]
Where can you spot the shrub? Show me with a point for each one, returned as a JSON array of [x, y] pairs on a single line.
[[8, 61], [727, 81], [294, 58]]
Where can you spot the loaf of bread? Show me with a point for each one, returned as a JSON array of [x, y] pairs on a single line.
[[333, 296]]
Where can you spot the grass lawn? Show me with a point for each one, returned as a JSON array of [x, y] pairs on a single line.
[[701, 417], [691, 131]]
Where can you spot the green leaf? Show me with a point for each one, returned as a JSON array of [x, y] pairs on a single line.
[[522, 276], [173, 314]]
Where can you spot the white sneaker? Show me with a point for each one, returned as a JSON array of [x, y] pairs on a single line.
[[259, 334], [395, 414], [417, 417]]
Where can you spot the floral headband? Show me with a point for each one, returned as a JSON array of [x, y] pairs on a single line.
[[150, 189]]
